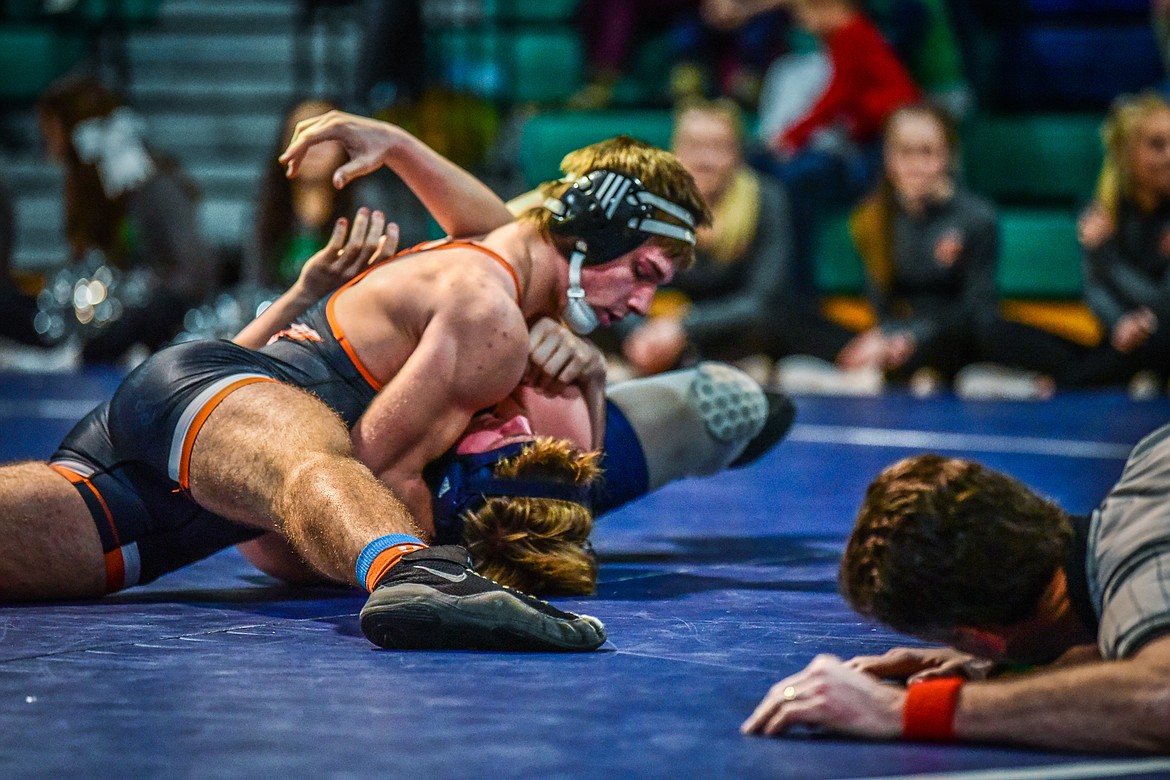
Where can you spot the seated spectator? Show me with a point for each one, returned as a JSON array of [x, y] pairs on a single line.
[[295, 217], [829, 153], [930, 250], [736, 300], [130, 206], [1125, 235], [609, 29], [725, 48]]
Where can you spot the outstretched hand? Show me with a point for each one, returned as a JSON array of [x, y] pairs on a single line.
[[370, 239], [830, 694], [366, 141]]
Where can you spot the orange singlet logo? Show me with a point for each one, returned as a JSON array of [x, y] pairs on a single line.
[[297, 332]]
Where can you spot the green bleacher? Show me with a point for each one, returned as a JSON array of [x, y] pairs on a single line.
[[550, 136], [1039, 254], [37, 46], [32, 55], [1046, 159]]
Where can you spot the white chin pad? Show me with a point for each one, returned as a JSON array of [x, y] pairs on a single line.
[[728, 401]]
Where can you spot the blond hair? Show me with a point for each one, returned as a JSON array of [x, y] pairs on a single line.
[[659, 170], [725, 108], [1117, 134], [537, 545]]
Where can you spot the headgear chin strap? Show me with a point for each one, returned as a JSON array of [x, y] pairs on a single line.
[[610, 214], [463, 483], [579, 315]]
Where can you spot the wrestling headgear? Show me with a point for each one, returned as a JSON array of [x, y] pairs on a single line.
[[462, 483], [610, 213]]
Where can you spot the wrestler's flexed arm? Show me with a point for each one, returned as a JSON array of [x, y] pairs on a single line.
[[471, 355]]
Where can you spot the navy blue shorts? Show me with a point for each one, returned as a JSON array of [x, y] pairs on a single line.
[[129, 458], [148, 526]]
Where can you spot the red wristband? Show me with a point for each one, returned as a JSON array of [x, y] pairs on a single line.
[[929, 713]]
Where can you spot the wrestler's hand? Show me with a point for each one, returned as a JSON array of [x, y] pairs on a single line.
[[366, 141], [915, 664], [557, 358], [656, 346], [371, 239], [830, 695]]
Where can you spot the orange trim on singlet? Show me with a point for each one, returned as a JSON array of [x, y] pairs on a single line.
[[115, 570], [115, 565], [426, 246], [200, 418]]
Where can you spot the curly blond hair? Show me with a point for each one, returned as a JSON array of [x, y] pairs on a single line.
[[537, 545]]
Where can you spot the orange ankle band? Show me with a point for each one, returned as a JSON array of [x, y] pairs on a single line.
[[386, 560]]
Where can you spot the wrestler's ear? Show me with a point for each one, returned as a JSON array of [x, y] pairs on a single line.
[[981, 642]]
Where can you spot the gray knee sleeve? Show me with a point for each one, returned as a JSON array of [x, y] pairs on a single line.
[[729, 402], [692, 422]]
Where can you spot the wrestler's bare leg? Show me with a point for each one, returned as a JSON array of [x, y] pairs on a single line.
[[274, 456], [51, 547]]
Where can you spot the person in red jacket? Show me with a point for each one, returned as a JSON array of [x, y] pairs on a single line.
[[868, 83], [830, 155]]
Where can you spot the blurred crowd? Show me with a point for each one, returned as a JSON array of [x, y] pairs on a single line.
[[784, 111]]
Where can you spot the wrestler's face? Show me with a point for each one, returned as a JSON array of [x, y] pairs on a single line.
[[918, 159], [1150, 154], [494, 429], [627, 284]]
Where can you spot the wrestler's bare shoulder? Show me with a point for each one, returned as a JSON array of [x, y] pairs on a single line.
[[448, 281]]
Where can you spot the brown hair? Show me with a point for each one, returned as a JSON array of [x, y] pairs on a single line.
[[1126, 115], [92, 219], [872, 223], [275, 219], [941, 542], [658, 169], [537, 545]]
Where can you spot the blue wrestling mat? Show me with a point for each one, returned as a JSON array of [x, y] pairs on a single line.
[[711, 590]]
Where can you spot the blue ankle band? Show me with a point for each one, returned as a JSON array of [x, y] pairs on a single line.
[[371, 551]]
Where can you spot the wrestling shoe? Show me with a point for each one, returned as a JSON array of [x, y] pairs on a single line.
[[781, 413], [432, 600]]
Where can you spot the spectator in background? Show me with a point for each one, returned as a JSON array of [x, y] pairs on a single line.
[[295, 217], [930, 250], [829, 154], [737, 39], [736, 300], [1125, 235], [128, 204]]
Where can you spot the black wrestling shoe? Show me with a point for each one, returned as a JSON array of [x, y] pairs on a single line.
[[432, 600], [781, 413]]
